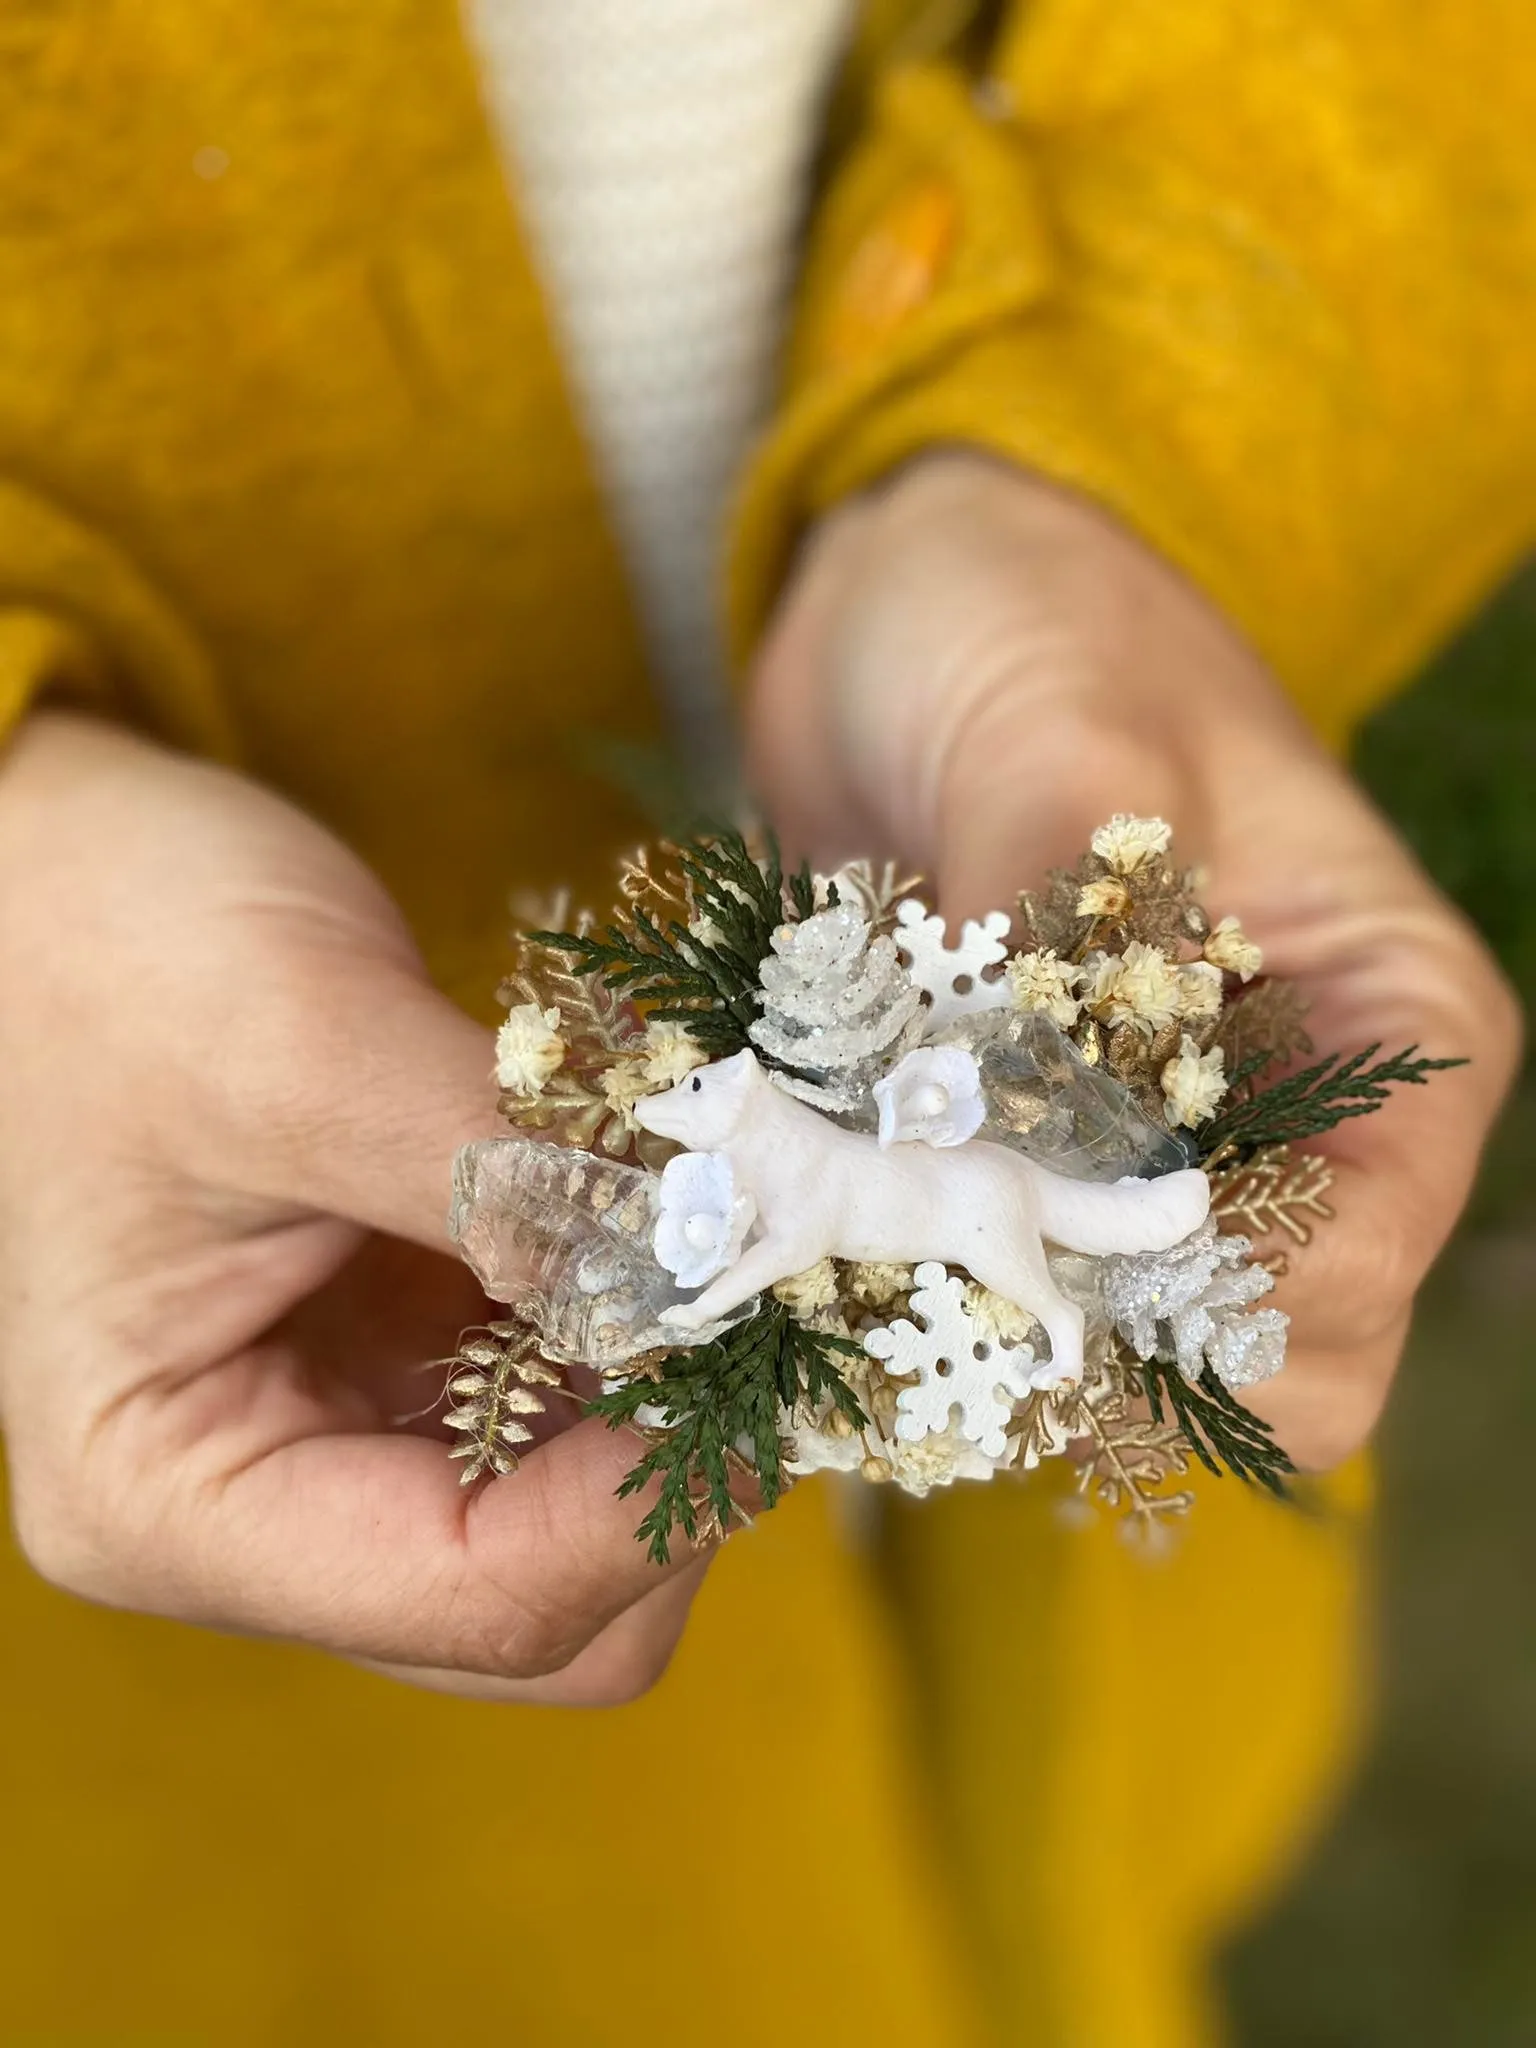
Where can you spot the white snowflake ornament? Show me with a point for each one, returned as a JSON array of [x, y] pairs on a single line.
[[952, 977], [956, 1367]]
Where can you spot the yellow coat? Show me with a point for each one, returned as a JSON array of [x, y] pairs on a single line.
[[288, 476]]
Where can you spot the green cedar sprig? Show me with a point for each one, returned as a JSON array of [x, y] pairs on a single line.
[[1223, 1434], [1314, 1100], [714, 1398], [708, 984]]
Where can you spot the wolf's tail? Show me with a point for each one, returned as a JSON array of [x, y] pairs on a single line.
[[1125, 1216]]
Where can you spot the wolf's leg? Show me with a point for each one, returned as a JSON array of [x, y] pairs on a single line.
[[1018, 1271], [760, 1267]]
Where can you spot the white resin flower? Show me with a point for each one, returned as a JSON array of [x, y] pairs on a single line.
[[671, 1053], [1126, 843], [703, 1220], [1194, 1083], [1139, 986], [933, 1097], [1042, 982], [1107, 897], [528, 1049], [1229, 947], [1199, 991]]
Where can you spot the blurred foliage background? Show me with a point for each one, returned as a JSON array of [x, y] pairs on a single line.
[[1413, 1923]]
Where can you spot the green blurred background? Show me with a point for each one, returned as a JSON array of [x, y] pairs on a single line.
[[1414, 1919]]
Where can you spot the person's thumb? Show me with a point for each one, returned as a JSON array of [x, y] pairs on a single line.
[[350, 1092]]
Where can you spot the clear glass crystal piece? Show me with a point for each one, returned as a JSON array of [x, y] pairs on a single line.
[[1045, 1101], [564, 1238]]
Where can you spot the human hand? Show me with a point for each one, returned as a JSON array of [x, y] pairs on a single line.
[[222, 1072], [972, 669]]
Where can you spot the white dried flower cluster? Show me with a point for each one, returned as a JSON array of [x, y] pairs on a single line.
[[997, 1319], [874, 1284], [1228, 948], [623, 1085], [811, 1293], [671, 1054], [1139, 986], [1189, 1304], [1200, 991], [1194, 1083], [1127, 843], [1040, 981], [529, 1049]]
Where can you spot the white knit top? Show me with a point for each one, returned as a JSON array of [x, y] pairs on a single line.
[[659, 151]]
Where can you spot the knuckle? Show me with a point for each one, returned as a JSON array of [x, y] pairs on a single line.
[[535, 1636], [60, 1535], [628, 1676]]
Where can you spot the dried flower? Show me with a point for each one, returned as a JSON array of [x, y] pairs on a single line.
[[1200, 991], [623, 1085], [811, 1292], [1107, 897], [873, 1283], [1127, 843], [938, 1459], [998, 1320], [1042, 982], [528, 1049], [1227, 947], [1139, 986], [671, 1052], [1194, 1083]]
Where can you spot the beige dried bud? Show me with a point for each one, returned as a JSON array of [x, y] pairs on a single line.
[[1194, 1083], [1107, 897], [529, 1048], [1229, 948]]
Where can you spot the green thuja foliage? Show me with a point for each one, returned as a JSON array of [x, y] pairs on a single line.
[[1224, 1435], [719, 1402], [706, 978], [1313, 1101]]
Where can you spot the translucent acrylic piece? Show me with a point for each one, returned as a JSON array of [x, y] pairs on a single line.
[[1045, 1101], [565, 1239]]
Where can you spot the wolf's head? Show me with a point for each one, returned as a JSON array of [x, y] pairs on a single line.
[[705, 1109]]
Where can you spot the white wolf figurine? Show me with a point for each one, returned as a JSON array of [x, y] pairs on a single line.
[[823, 1191]]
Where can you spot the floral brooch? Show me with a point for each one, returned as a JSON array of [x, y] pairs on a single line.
[[806, 1184]]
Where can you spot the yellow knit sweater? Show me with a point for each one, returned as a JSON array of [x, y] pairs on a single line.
[[288, 476]]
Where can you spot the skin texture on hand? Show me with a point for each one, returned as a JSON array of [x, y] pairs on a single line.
[[230, 1100], [972, 670]]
